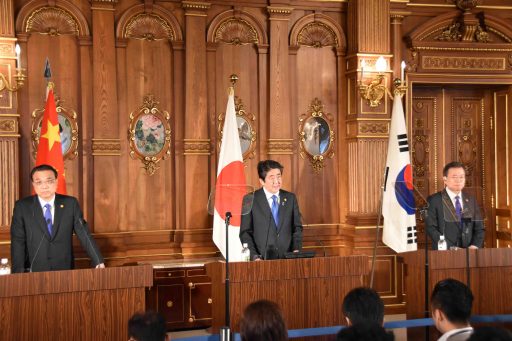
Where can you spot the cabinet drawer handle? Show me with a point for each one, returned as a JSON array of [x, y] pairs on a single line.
[[169, 304], [210, 301]]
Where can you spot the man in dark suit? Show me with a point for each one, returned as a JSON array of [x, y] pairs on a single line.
[[453, 213], [273, 226], [42, 228]]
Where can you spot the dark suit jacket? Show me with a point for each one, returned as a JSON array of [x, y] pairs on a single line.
[[258, 223], [32, 247], [441, 217]]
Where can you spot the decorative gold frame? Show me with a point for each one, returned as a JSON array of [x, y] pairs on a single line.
[[150, 160], [250, 119], [316, 113], [70, 115]]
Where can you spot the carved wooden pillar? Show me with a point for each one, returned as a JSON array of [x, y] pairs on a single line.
[[85, 127], [367, 126], [9, 122], [396, 27], [197, 148], [280, 138], [106, 143]]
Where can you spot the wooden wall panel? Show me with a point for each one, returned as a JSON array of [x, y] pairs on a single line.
[[321, 84], [241, 60], [147, 201]]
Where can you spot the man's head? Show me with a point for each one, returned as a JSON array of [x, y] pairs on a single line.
[[451, 303], [149, 326], [364, 332], [363, 305], [269, 172], [454, 176], [44, 180], [262, 321]]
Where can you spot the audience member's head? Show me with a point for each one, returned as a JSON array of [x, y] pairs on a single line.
[[491, 334], [369, 331], [451, 303], [363, 305], [262, 321], [149, 326]]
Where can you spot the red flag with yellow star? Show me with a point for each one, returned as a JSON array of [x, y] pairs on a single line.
[[49, 151]]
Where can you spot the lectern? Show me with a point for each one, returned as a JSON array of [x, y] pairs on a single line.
[[86, 304], [309, 291], [490, 270]]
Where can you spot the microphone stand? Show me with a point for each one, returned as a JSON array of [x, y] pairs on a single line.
[[423, 215], [225, 332]]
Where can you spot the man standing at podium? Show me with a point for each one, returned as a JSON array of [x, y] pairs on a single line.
[[273, 226], [453, 213], [42, 228]]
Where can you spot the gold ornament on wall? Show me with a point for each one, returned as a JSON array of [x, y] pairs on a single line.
[[315, 135], [149, 134], [68, 128]]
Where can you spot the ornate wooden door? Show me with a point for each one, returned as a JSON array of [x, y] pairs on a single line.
[[453, 123]]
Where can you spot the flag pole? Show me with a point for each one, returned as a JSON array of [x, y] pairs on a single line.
[[374, 257], [225, 332]]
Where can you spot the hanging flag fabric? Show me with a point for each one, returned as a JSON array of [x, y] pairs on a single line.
[[49, 150], [398, 207], [230, 187]]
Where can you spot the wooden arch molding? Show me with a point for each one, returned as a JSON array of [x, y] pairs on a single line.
[[437, 24], [324, 24], [69, 8], [246, 17], [153, 10]]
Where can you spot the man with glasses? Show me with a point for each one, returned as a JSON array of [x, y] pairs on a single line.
[[453, 214], [42, 228], [273, 227]]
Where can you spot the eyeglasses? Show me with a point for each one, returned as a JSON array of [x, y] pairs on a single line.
[[42, 183]]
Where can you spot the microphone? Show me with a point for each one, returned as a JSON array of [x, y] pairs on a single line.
[[90, 243], [37, 252]]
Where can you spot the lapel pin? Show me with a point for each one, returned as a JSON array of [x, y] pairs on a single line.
[[61, 206]]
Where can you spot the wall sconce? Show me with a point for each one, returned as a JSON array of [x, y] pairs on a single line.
[[375, 90], [19, 77]]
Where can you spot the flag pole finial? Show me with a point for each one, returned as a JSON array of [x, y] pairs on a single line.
[[233, 78]]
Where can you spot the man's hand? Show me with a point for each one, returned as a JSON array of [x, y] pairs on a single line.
[[100, 266], [473, 247]]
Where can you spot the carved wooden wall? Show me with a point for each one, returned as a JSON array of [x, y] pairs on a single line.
[[107, 55]]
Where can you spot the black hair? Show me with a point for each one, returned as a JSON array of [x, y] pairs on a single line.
[[267, 165], [454, 299], [363, 305], [453, 164], [364, 332], [149, 326], [41, 168]]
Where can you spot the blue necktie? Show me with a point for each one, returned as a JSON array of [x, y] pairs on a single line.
[[48, 217], [275, 210], [458, 208]]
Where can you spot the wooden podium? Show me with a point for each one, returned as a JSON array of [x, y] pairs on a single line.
[[490, 278], [88, 304], [309, 291]]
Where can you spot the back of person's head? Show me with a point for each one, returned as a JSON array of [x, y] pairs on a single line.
[[262, 321], [362, 305], [454, 299], [265, 166], [369, 331], [149, 326], [490, 334]]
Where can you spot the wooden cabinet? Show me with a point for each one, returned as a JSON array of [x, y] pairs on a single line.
[[182, 295]]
